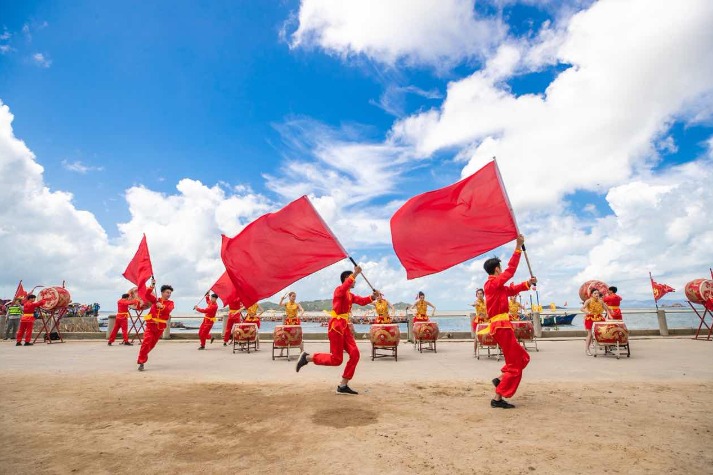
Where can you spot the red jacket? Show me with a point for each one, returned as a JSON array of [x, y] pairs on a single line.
[[159, 315], [122, 307], [210, 310], [28, 310], [612, 300], [497, 293], [343, 299]]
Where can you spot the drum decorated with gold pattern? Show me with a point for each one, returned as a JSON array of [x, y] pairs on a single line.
[[244, 332], [585, 290], [485, 339], [385, 335], [699, 290], [425, 331], [610, 332], [524, 329], [134, 295], [287, 335], [55, 297]]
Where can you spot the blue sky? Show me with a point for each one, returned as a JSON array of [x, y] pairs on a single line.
[[149, 93]]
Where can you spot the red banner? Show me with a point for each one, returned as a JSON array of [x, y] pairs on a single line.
[[439, 229], [225, 289], [660, 290], [279, 249], [20, 292], [139, 269]]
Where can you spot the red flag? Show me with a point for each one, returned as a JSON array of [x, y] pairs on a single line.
[[660, 290], [439, 229], [20, 292], [225, 289], [278, 249], [139, 269]]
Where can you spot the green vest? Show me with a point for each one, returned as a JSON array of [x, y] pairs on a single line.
[[14, 311]]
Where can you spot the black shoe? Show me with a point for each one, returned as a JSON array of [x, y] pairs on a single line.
[[211, 340], [345, 390], [301, 361], [128, 343], [27, 343], [496, 382], [108, 343], [225, 344], [18, 344], [501, 403], [141, 367], [201, 347]]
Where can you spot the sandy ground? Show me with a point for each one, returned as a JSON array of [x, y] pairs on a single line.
[[82, 407]]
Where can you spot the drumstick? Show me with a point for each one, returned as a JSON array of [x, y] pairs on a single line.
[[362, 274]]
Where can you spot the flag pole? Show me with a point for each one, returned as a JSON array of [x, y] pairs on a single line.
[[710, 269], [362, 274], [652, 291], [18, 289]]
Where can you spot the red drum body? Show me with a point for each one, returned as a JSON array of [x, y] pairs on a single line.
[[610, 333], [524, 330], [585, 291], [134, 295], [699, 290], [484, 339], [57, 297], [425, 331], [287, 335], [386, 335], [245, 332]]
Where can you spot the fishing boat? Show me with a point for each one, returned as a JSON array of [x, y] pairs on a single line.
[[552, 320]]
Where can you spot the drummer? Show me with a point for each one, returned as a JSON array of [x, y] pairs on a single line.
[[122, 317], [593, 310], [253, 313], [514, 308], [27, 322], [421, 305], [235, 307], [384, 309], [613, 301], [293, 310], [481, 313]]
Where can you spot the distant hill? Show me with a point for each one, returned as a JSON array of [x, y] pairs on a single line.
[[318, 305]]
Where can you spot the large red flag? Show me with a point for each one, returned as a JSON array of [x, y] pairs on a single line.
[[224, 289], [439, 229], [20, 292], [139, 269], [278, 249]]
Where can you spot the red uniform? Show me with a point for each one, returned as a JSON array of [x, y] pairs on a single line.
[[496, 301], [122, 317], [234, 316], [613, 300], [339, 333], [27, 322], [155, 322], [208, 319]]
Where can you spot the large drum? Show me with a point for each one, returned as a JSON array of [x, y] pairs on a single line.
[[425, 331], [699, 290], [484, 339], [610, 333], [385, 335], [56, 297], [243, 332], [524, 330], [585, 291], [287, 335], [134, 295]]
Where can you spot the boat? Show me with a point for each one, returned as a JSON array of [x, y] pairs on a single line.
[[552, 320]]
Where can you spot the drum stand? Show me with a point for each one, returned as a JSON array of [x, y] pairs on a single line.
[[50, 324], [137, 324], [702, 317]]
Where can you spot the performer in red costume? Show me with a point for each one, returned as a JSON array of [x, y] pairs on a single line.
[[208, 319], [613, 301], [234, 316], [340, 333], [496, 300], [122, 317], [158, 316], [27, 322]]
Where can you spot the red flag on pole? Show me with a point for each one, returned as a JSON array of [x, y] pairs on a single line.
[[279, 249], [224, 289], [139, 269], [439, 229], [20, 292], [659, 290]]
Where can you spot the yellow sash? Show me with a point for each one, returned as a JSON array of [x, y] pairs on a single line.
[[501, 317], [150, 317], [336, 316]]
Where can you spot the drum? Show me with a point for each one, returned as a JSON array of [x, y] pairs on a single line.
[[57, 297], [425, 331], [244, 332], [524, 330], [610, 333], [485, 339], [134, 295], [699, 290], [385, 335], [287, 335], [585, 291]]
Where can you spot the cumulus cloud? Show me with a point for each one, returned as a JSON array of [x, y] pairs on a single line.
[[420, 32], [41, 60], [78, 167]]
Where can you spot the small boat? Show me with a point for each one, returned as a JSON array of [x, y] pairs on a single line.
[[556, 320]]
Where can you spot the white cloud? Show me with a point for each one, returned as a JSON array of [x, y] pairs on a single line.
[[4, 49], [437, 33], [41, 60], [78, 167]]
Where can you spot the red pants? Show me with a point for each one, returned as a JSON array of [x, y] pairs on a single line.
[[120, 323], [152, 333], [204, 331], [516, 359], [340, 340], [232, 320], [615, 314], [25, 329]]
